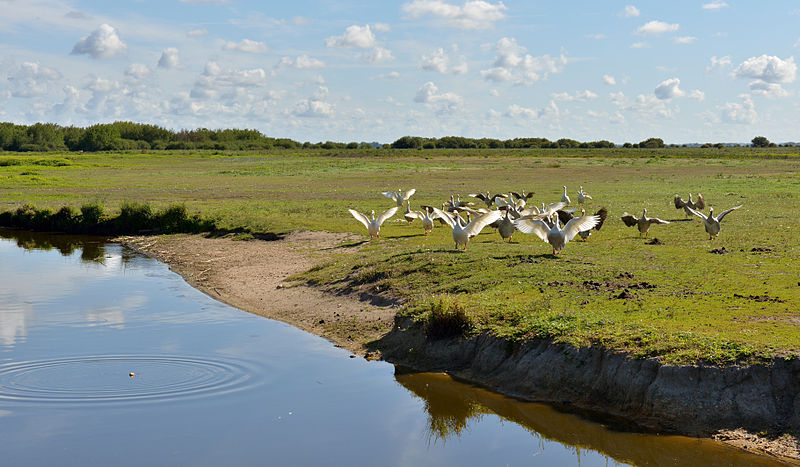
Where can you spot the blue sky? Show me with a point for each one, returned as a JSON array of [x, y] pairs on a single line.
[[686, 71]]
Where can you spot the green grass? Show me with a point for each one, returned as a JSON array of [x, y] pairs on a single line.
[[704, 306]]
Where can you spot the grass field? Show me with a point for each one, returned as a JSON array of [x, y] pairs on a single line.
[[685, 303]]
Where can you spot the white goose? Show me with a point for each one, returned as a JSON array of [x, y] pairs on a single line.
[[711, 222], [463, 231], [565, 197], [373, 225], [427, 215], [582, 197], [555, 235], [399, 196], [642, 223]]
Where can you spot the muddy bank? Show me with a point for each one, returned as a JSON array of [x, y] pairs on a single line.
[[733, 404]]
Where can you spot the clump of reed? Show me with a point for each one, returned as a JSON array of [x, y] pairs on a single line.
[[446, 319]]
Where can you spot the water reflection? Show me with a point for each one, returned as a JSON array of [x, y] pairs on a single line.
[[452, 407], [91, 249]]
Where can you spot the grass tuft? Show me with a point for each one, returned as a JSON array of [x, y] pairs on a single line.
[[446, 319]]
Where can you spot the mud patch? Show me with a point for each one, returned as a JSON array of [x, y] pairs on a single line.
[[720, 251], [761, 249], [760, 298], [654, 241]]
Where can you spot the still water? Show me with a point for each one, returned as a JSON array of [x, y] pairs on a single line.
[[109, 358]]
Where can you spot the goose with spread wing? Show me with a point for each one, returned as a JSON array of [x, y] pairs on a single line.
[[463, 231], [687, 206], [712, 223], [372, 223], [566, 216], [427, 216], [555, 235], [582, 197], [643, 223], [399, 196]]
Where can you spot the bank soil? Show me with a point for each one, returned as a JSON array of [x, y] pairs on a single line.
[[749, 407]]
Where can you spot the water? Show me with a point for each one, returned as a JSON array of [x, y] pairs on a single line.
[[108, 358]]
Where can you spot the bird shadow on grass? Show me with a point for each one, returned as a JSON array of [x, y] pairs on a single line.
[[347, 245], [681, 220], [406, 236]]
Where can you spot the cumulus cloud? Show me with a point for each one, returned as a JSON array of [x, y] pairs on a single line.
[[301, 62], [214, 81], [516, 111], [596, 37], [443, 101], [656, 27], [441, 62], [381, 27], [103, 42], [740, 113], [137, 71], [246, 45], [32, 80], [313, 108], [610, 80], [392, 75], [718, 63], [578, 96], [376, 55], [684, 39], [670, 88], [767, 68], [513, 64], [768, 90], [714, 5], [169, 58], [359, 37], [471, 15], [630, 11]]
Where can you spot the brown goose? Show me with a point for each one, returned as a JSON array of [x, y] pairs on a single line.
[[643, 223]]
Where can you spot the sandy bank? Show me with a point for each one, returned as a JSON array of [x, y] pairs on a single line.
[[699, 401]]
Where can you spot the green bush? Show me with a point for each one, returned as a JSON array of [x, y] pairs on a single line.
[[446, 319]]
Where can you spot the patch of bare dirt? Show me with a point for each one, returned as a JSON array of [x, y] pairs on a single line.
[[251, 275], [785, 448]]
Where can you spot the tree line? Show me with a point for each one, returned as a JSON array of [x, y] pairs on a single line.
[[118, 136]]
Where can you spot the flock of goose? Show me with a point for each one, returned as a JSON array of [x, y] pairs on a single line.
[[555, 223]]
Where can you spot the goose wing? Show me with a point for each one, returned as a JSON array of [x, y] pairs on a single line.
[[444, 216], [480, 196], [360, 217], [579, 224], [701, 202], [391, 195], [564, 216], [602, 213], [408, 193], [386, 214], [415, 214], [698, 214], [725, 213], [475, 227], [531, 226], [553, 207], [679, 202], [629, 219], [656, 220]]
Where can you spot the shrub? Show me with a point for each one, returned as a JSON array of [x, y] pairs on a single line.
[[91, 214], [447, 319], [134, 217]]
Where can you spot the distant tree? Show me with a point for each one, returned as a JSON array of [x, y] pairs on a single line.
[[652, 143], [627, 145], [100, 137], [408, 142], [760, 142]]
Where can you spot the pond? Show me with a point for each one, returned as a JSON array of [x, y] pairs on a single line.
[[109, 358]]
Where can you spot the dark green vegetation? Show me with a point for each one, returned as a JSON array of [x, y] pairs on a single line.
[[676, 300], [121, 136]]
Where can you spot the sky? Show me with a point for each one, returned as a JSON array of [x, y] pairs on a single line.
[[362, 70]]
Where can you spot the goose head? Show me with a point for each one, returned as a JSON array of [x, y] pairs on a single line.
[[644, 212], [373, 214]]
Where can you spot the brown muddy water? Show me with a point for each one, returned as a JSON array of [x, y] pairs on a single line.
[[109, 358]]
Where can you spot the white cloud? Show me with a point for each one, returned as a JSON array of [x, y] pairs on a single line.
[[381, 27], [668, 89], [32, 80], [313, 108], [610, 80], [516, 111], [103, 42], [513, 64], [718, 63], [657, 27], [714, 5], [596, 37], [697, 95], [440, 61], [684, 39], [376, 55], [392, 75], [197, 32], [246, 45], [215, 81], [640, 45], [767, 68], [302, 62], [734, 112], [137, 70], [169, 58], [471, 15], [578, 96], [617, 98], [444, 102], [354, 37], [630, 11], [769, 90]]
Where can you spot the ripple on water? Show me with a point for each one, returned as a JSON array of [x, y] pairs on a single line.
[[93, 379]]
